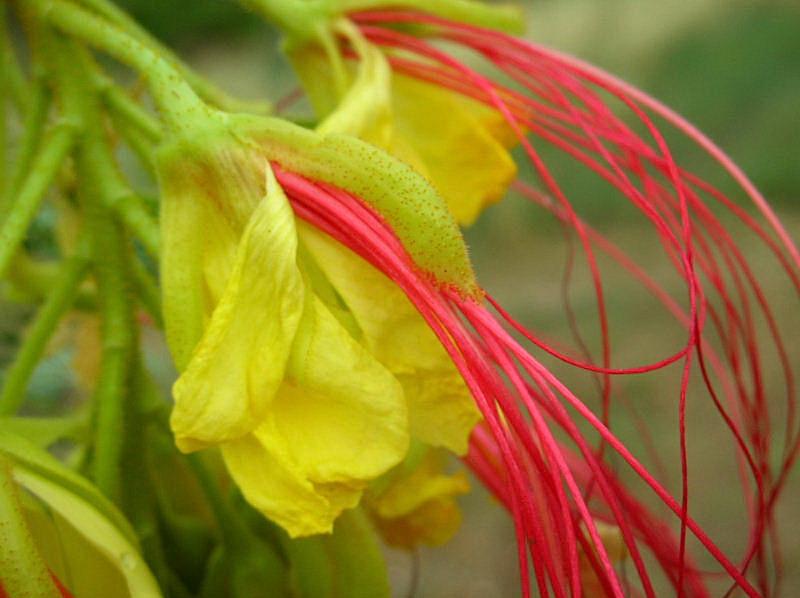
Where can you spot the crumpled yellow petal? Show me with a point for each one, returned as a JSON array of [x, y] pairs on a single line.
[[239, 363], [461, 143], [338, 421], [340, 414], [418, 504], [441, 409], [284, 494], [365, 111]]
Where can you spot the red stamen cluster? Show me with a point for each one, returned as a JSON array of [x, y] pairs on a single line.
[[557, 493]]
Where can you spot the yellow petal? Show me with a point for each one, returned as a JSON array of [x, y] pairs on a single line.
[[282, 493], [340, 415], [441, 409], [337, 422], [238, 365], [461, 142], [365, 111], [418, 506]]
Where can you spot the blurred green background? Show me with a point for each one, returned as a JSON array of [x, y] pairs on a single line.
[[733, 68]]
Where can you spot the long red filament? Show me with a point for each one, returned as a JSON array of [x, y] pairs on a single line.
[[516, 453], [562, 104], [556, 495]]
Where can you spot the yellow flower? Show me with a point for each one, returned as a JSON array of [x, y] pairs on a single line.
[[416, 504], [614, 544], [458, 144], [304, 415]]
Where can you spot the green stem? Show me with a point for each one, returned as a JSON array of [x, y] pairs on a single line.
[[204, 88], [300, 20], [148, 292], [119, 198], [176, 100], [35, 117], [4, 93], [127, 110], [15, 79], [230, 526], [139, 499], [59, 300], [109, 256], [304, 19], [504, 17], [22, 571], [72, 67], [44, 169], [132, 211], [142, 147]]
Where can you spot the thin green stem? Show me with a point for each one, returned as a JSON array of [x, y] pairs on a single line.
[[122, 106], [148, 292], [229, 524], [4, 93], [204, 88], [504, 17], [59, 300], [118, 196], [35, 118], [24, 208], [109, 252], [15, 79], [143, 149], [132, 211], [139, 499], [176, 100], [302, 20], [22, 571]]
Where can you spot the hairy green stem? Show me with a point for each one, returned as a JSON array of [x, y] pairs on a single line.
[[176, 100], [110, 263], [22, 571], [139, 499], [302, 20], [24, 208], [109, 252], [229, 524], [121, 105], [59, 300], [17, 87], [132, 211], [35, 118], [143, 149], [204, 88], [4, 94], [148, 292], [116, 195], [504, 17]]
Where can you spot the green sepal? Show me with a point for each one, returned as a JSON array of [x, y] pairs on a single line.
[[219, 161]]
